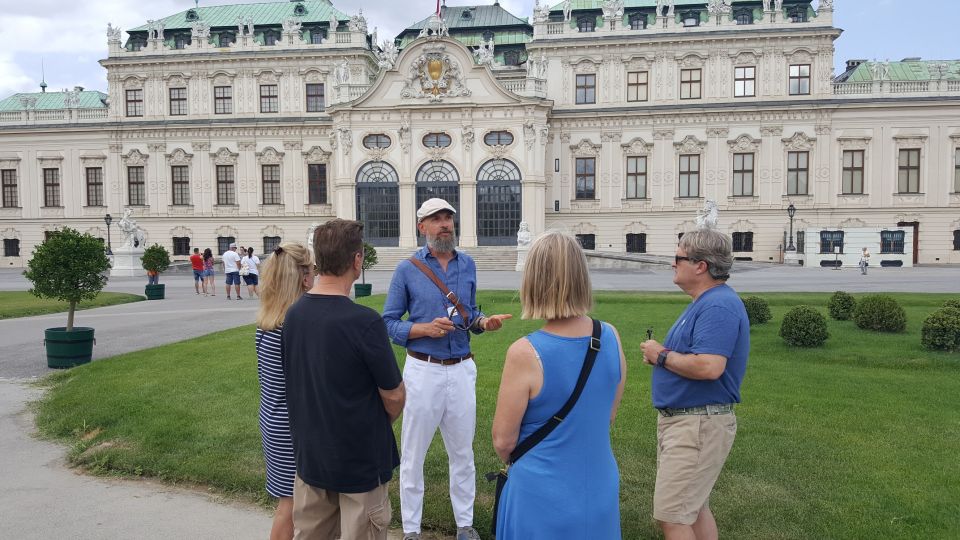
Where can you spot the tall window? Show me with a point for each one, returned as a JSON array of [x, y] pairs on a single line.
[[586, 178], [743, 175], [830, 241], [956, 171], [586, 88], [136, 187], [587, 241], [742, 241], [852, 172], [744, 16], [269, 98], [226, 193], [317, 183], [637, 177], [744, 81], [178, 101], [690, 83], [135, 102], [637, 243], [638, 21], [637, 89], [94, 186], [956, 240], [800, 80], [801, 241], [181, 245], [180, 41], [271, 184], [180, 178], [587, 23], [908, 178], [891, 241], [223, 100], [689, 175], [315, 98], [798, 14], [51, 187], [798, 171], [223, 243], [317, 35], [270, 243], [270, 37], [8, 177], [11, 247]]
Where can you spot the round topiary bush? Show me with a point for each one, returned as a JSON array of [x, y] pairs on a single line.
[[757, 309], [804, 326], [880, 313], [941, 330], [841, 306], [952, 303]]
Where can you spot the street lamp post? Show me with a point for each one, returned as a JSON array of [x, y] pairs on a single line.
[[108, 220], [791, 211]]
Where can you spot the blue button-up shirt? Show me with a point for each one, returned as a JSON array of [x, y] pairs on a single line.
[[413, 292]]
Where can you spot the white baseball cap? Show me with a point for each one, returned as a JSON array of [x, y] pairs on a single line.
[[233, 245], [431, 207]]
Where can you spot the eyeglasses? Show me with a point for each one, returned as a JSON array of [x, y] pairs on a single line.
[[678, 258]]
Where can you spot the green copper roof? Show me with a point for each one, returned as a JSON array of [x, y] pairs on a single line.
[[474, 39], [272, 13], [907, 70], [475, 17], [596, 4], [53, 100]]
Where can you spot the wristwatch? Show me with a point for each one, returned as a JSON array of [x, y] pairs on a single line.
[[662, 358]]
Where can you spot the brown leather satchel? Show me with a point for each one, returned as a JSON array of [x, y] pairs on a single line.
[[447, 293]]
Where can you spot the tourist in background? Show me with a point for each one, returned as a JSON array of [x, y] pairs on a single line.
[[196, 263], [864, 261], [231, 270], [252, 278], [208, 282]]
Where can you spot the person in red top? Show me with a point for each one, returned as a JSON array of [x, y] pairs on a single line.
[[196, 261]]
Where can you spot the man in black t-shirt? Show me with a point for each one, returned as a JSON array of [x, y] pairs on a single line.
[[344, 390]]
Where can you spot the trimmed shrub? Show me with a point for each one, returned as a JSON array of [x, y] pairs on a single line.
[[880, 313], [941, 330], [757, 309], [952, 303], [841, 306], [804, 326]]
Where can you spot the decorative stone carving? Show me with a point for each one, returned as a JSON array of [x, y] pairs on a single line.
[[467, 136], [155, 29], [826, 5], [292, 145], [346, 140], [247, 146], [612, 9], [134, 158], [224, 156], [586, 148], [717, 133], [690, 145], [636, 147], [341, 73], [484, 53], [663, 134], [114, 34], [524, 238], [821, 129], [71, 99], [541, 13], [435, 28], [334, 139], [316, 155], [200, 32], [771, 131], [799, 142], [156, 147], [744, 143], [133, 235], [499, 151], [269, 156], [909, 141], [610, 136], [358, 23], [244, 24], [403, 133], [179, 157], [387, 56], [200, 146], [434, 75], [292, 25], [568, 9], [853, 143], [334, 22], [529, 135], [719, 8]]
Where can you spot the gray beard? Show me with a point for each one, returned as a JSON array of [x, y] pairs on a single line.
[[442, 245]]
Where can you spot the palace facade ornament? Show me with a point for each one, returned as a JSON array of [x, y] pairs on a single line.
[[387, 56], [663, 134], [292, 145], [179, 157], [690, 145], [799, 141], [467, 136], [134, 158], [155, 30], [719, 7], [435, 27], [114, 35], [744, 143], [637, 147], [346, 140], [316, 155], [771, 131], [358, 23], [200, 32], [717, 132], [224, 156], [433, 75], [292, 25], [612, 9], [586, 148], [269, 156], [484, 53], [541, 13]]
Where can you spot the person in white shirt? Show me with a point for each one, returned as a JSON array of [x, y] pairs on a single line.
[[231, 268], [252, 277]]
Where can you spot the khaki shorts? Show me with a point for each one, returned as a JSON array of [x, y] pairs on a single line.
[[326, 515], [691, 450]]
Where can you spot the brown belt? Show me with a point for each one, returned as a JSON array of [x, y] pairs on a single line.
[[435, 360]]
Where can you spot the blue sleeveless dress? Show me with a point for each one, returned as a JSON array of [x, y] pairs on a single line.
[[568, 485]]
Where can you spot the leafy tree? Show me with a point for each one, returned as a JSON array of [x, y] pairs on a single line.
[[369, 261], [155, 258]]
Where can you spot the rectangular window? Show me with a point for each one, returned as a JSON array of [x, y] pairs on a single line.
[[744, 81], [136, 187], [271, 184], [586, 178], [690, 83], [689, 175], [743, 175], [956, 171], [315, 98], [8, 177], [225, 186], [317, 184], [11, 247], [852, 172], [956, 240], [178, 101], [180, 178], [223, 243], [800, 80], [181, 245], [223, 100], [908, 179], [587, 241], [891, 241], [742, 241], [135, 102], [269, 98], [586, 89], [270, 243], [637, 243], [637, 177], [51, 187], [830, 241], [317, 35], [637, 89], [801, 241], [94, 186], [798, 170]]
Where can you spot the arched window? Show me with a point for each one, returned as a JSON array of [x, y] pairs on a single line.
[[376, 140], [743, 16], [638, 21], [498, 138], [439, 179], [378, 203], [436, 140], [587, 23], [499, 198]]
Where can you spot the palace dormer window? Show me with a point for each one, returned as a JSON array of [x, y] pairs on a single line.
[[271, 37], [587, 23], [299, 10], [227, 38], [317, 35], [181, 41], [743, 16], [467, 14], [136, 44], [487, 35], [511, 58], [192, 15], [638, 21], [690, 18], [797, 14]]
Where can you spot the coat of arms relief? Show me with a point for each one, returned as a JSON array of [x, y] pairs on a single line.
[[435, 75]]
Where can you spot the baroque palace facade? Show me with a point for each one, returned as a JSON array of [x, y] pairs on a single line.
[[615, 120]]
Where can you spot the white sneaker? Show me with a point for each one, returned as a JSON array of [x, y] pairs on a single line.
[[467, 533]]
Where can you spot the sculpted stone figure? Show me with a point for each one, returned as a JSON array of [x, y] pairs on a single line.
[[113, 32], [567, 10], [334, 23], [291, 25], [484, 53], [708, 217], [132, 233], [387, 58], [523, 235], [342, 73], [766, 5], [778, 5]]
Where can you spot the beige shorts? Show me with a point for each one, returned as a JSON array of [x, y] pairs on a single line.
[[322, 514], [691, 450]]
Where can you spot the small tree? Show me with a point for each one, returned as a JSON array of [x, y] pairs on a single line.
[[369, 261], [156, 258], [758, 311], [70, 267]]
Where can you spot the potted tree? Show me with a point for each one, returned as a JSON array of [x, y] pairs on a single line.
[[70, 267], [369, 261], [155, 260]]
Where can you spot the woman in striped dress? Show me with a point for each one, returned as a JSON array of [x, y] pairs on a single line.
[[286, 275]]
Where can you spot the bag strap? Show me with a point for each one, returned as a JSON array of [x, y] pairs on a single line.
[[527, 444], [447, 293]]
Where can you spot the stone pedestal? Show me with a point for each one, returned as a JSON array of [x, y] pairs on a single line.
[[127, 263], [522, 257], [791, 258]]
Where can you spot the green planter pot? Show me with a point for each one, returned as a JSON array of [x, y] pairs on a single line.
[[154, 292], [68, 349], [362, 289]]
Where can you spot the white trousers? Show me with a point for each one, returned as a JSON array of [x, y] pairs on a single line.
[[445, 397]]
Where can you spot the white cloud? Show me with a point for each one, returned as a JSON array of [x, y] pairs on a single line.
[[14, 79]]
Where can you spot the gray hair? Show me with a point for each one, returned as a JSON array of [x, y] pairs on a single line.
[[712, 247]]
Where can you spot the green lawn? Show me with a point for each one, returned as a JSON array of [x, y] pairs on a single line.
[[858, 439], [23, 304]]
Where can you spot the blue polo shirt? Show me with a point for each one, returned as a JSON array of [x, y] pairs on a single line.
[[714, 323]]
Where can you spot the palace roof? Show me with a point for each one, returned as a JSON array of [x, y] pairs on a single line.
[[908, 69], [266, 13], [89, 99]]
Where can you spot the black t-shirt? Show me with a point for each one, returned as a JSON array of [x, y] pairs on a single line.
[[336, 355]]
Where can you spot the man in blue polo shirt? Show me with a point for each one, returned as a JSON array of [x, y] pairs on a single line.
[[696, 380], [439, 372]]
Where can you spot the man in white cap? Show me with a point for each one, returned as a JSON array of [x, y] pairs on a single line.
[[437, 287], [231, 269]]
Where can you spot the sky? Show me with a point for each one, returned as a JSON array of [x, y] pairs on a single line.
[[68, 37]]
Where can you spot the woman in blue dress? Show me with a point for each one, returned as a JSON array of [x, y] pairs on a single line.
[[567, 486]]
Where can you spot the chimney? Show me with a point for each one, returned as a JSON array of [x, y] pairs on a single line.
[[854, 63]]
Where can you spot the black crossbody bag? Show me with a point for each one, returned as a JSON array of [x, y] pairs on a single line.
[[527, 444]]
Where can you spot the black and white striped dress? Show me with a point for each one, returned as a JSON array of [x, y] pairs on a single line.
[[274, 420]]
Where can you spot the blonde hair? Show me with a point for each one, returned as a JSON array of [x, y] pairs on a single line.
[[556, 282], [281, 283]]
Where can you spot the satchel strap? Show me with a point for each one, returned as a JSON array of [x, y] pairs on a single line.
[[554, 421], [447, 293]]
